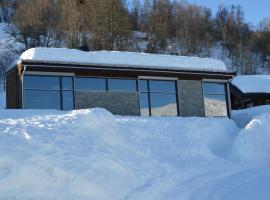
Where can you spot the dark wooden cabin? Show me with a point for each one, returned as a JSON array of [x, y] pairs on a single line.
[[122, 82], [250, 91]]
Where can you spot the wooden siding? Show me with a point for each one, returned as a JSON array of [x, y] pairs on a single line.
[[14, 90]]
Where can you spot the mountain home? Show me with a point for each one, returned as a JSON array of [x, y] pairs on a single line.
[[249, 91], [124, 83]]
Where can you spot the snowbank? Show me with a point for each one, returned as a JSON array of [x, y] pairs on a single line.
[[253, 143], [244, 116], [252, 83], [91, 154], [121, 59]]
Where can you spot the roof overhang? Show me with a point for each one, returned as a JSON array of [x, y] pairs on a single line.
[[229, 73], [238, 92]]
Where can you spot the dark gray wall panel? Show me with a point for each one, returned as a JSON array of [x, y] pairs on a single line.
[[190, 98], [118, 103]]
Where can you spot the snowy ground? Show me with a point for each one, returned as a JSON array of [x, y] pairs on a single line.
[[243, 117], [91, 154]]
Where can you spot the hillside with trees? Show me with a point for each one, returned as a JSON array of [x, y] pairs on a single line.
[[154, 26]]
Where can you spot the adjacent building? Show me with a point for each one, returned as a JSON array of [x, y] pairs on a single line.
[[124, 83], [249, 91]]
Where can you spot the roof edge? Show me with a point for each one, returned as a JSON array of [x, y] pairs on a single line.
[[123, 66]]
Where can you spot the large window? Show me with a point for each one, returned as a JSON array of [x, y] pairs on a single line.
[[122, 85], [158, 98], [106, 84], [93, 84], [48, 92], [215, 99]]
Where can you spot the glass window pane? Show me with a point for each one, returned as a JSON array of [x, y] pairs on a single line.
[[122, 85], [163, 104], [143, 86], [37, 99], [144, 104], [162, 86], [215, 105], [90, 84], [68, 100], [67, 83], [213, 88], [42, 82]]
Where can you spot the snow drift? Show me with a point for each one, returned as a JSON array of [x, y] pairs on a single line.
[[244, 116], [91, 154]]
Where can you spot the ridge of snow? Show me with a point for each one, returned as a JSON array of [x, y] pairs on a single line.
[[252, 83], [92, 154], [244, 116], [121, 59]]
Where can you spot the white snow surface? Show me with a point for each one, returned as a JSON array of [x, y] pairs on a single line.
[[244, 116], [121, 59], [252, 83], [92, 154]]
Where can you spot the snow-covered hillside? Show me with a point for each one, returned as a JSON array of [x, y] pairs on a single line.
[[91, 154]]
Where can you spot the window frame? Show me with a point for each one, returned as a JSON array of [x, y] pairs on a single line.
[[93, 77], [226, 94], [106, 83], [126, 79], [148, 92], [60, 90]]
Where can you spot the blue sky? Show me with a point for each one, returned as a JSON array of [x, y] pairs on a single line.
[[255, 10]]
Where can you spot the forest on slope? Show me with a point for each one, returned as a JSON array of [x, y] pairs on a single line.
[[154, 26]]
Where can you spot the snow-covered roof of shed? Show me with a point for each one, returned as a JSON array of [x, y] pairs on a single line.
[[252, 83], [121, 59]]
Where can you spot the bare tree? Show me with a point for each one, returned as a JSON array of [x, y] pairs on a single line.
[[75, 15], [111, 25], [6, 59], [35, 24]]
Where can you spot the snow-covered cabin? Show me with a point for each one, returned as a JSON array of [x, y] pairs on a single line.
[[124, 83], [249, 91]]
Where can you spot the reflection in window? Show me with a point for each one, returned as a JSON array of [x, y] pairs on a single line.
[[39, 99], [215, 100], [143, 85], [163, 104], [42, 82], [68, 101], [67, 83], [162, 96], [48, 92], [122, 85], [144, 104], [213, 88], [162, 86], [87, 83]]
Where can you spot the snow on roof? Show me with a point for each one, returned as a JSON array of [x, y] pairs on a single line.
[[121, 59], [252, 83]]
